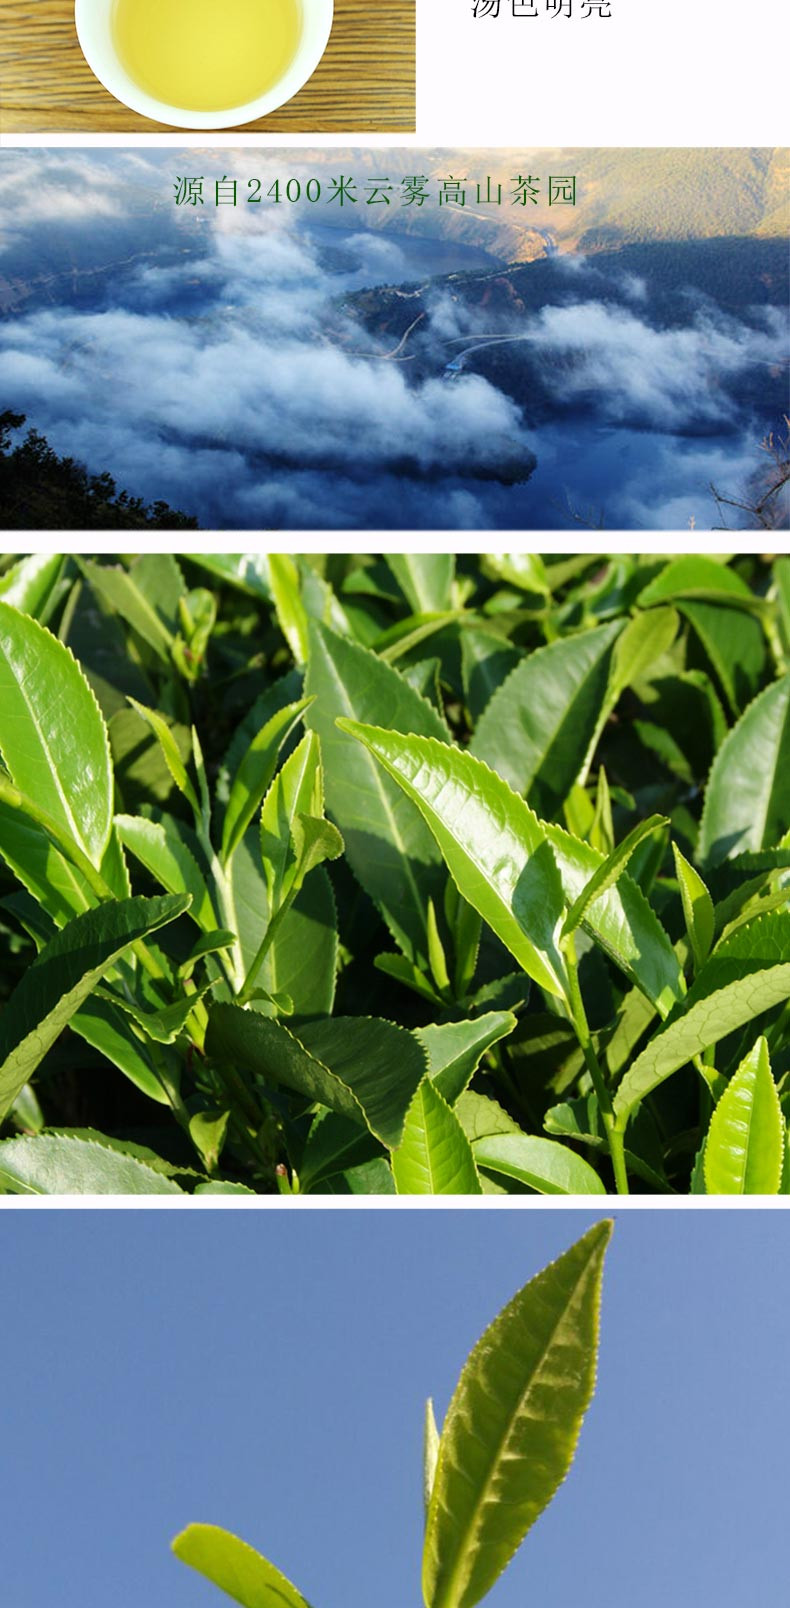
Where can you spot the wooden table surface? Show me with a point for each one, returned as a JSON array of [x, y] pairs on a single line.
[[366, 81]]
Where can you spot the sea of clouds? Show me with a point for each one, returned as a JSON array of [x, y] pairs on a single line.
[[206, 357]]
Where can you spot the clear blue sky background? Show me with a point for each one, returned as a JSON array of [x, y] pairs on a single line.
[[267, 1371]]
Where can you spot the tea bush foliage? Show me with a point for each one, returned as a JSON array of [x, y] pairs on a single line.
[[395, 874]]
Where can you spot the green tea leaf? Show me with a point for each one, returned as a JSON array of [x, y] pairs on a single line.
[[424, 676], [697, 575], [735, 646], [644, 641], [302, 961], [212, 943], [285, 690], [207, 1130], [748, 974], [141, 770], [782, 586], [197, 617], [364, 1070], [403, 639], [486, 660], [29, 584], [302, 958], [255, 773], [236, 1568], [160, 581], [221, 1186], [495, 848], [455, 1049], [524, 570], [319, 597], [334, 1146], [57, 885], [511, 1428], [698, 911], [747, 803], [434, 1156], [114, 870], [270, 1051], [159, 843], [536, 730], [297, 790], [548, 1167], [784, 1186], [118, 589], [162, 1026], [26, 1113], [722, 611], [621, 921], [315, 840], [247, 572], [610, 871], [106, 1028], [52, 736], [372, 1178], [171, 752], [601, 833], [388, 846], [426, 579], [383, 1064], [466, 927], [437, 960], [744, 1151], [481, 1117], [56, 1164], [291, 613], [61, 978]]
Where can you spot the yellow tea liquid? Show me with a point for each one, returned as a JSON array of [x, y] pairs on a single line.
[[206, 55]]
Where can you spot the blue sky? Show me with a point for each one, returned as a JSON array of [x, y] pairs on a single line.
[[267, 1371]]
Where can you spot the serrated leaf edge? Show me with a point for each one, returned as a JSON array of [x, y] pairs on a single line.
[[109, 773], [431, 1519]]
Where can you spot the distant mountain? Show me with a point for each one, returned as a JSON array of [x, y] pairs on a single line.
[[681, 194], [623, 195], [667, 285]]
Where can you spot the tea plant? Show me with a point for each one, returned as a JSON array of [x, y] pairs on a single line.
[[398, 874], [506, 1445]]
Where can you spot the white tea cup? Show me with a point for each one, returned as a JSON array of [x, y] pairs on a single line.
[[93, 20]]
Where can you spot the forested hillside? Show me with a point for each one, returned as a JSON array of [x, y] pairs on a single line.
[[41, 491]]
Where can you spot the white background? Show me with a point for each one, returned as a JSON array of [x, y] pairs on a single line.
[[658, 72]]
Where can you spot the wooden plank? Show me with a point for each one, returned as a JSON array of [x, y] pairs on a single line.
[[365, 83]]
